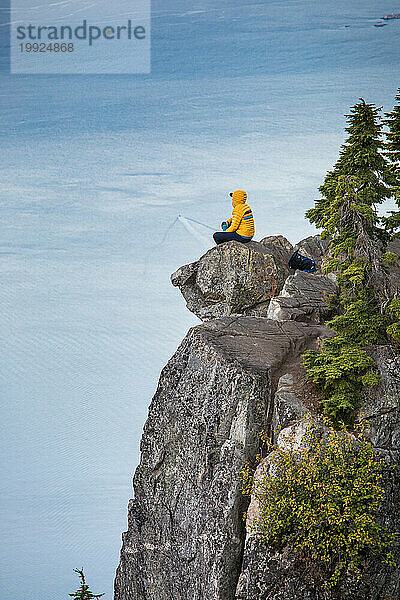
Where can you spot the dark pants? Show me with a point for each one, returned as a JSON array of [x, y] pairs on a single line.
[[227, 236]]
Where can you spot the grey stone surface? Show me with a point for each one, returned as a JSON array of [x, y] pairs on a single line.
[[279, 247], [288, 407], [273, 575], [381, 404], [394, 271], [235, 278], [313, 247], [185, 530], [303, 298]]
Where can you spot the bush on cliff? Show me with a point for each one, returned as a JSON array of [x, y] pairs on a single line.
[[321, 501]]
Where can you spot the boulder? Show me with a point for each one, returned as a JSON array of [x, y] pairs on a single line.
[[238, 373], [314, 247], [288, 405], [279, 247], [235, 278], [303, 298], [273, 575], [185, 533]]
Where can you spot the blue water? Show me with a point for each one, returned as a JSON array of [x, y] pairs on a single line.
[[95, 169]]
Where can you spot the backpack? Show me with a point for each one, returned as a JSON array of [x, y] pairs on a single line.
[[302, 263]]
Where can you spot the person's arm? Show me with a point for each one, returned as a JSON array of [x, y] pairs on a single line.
[[225, 224], [236, 218]]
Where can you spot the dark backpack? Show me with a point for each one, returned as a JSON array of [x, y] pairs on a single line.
[[302, 263]]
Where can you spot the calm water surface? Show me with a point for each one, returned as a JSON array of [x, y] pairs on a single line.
[[95, 169]]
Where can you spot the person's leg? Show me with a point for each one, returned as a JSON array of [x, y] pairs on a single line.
[[242, 239], [228, 236], [223, 236]]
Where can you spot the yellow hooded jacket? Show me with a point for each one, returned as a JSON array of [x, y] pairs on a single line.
[[242, 220]]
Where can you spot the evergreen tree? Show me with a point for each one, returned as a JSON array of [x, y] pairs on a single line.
[[361, 157], [393, 135], [392, 122], [361, 179], [83, 593]]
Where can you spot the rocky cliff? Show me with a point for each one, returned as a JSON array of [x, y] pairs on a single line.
[[237, 373]]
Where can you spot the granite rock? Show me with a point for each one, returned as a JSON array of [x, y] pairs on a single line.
[[236, 374], [185, 529], [235, 278], [314, 247], [381, 404], [288, 407], [303, 298]]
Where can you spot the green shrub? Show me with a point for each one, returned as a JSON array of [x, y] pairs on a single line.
[[389, 258], [342, 366], [393, 330], [322, 500], [339, 370]]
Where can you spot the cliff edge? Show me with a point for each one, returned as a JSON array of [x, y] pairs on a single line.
[[233, 376]]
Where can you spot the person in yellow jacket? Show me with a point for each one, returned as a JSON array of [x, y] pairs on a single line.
[[240, 226]]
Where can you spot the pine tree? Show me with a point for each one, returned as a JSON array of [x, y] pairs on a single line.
[[83, 593], [393, 135], [392, 121], [361, 179], [362, 158]]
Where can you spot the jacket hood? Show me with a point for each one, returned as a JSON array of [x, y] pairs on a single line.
[[238, 197]]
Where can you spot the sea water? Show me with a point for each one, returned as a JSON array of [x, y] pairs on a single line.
[[100, 177]]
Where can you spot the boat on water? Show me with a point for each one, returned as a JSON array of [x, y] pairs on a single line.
[[380, 24], [391, 16]]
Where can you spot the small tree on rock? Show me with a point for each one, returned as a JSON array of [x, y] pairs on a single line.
[[83, 593]]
